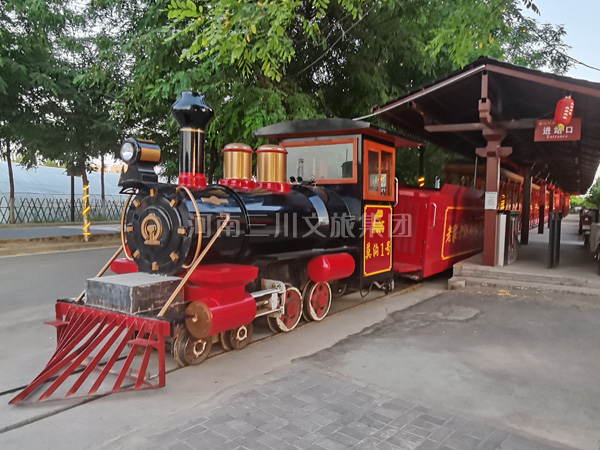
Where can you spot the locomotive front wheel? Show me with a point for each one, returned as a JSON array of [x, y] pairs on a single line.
[[240, 337], [292, 315], [189, 351], [317, 302], [225, 341]]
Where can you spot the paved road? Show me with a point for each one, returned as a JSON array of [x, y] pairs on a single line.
[[459, 370], [29, 287], [28, 232]]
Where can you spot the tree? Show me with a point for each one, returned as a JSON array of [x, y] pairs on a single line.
[[141, 63], [265, 37], [29, 33], [578, 201], [264, 62], [44, 50], [592, 200]]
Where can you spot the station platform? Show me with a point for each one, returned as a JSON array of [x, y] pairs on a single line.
[[576, 273]]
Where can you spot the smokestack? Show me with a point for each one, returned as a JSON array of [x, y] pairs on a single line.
[[193, 115]]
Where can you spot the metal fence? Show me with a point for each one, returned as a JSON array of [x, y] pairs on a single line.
[[29, 208]]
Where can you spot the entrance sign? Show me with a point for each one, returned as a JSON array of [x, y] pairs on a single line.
[[548, 131]]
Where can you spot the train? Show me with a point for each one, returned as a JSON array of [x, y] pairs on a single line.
[[199, 262], [545, 196]]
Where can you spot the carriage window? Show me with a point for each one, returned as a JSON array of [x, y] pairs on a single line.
[[328, 162], [373, 161], [387, 173], [379, 172]]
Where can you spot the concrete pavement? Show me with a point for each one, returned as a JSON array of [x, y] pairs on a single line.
[[307, 408], [461, 371]]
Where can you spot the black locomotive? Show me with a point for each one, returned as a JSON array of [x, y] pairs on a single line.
[[277, 230], [204, 261]]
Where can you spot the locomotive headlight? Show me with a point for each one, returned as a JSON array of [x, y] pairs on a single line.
[[130, 150], [140, 157]]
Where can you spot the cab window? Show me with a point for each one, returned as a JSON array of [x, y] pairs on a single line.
[[379, 172], [327, 162]]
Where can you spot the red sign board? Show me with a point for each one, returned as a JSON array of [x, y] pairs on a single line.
[[548, 131], [377, 246], [463, 231]]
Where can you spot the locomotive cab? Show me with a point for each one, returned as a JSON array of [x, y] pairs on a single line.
[[354, 160]]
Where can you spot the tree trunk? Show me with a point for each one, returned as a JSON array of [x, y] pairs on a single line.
[[72, 198], [102, 196], [11, 182], [86, 207]]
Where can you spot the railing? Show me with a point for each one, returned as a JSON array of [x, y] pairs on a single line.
[[32, 208]]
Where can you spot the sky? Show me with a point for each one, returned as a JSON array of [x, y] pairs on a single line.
[[580, 18]]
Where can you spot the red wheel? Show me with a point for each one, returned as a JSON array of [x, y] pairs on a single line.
[[317, 301], [292, 312]]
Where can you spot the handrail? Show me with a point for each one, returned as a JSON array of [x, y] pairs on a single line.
[[123, 240], [199, 226], [195, 265], [434, 215]]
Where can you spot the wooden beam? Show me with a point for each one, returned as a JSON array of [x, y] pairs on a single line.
[[592, 92], [426, 91], [454, 127], [522, 124]]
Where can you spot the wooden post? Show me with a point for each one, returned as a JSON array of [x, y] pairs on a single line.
[[526, 211], [493, 153], [490, 239]]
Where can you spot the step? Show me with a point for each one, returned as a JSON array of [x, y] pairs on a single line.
[[475, 271], [502, 283]]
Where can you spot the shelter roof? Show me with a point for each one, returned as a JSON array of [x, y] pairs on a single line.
[[519, 96], [331, 127]]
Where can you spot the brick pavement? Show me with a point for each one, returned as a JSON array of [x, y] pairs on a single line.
[[305, 408]]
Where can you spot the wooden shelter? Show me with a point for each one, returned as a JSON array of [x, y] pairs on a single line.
[[504, 112]]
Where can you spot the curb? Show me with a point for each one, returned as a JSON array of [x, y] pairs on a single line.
[[51, 224], [13, 247]]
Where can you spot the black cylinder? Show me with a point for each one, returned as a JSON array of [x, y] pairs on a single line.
[[191, 151], [193, 115]]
